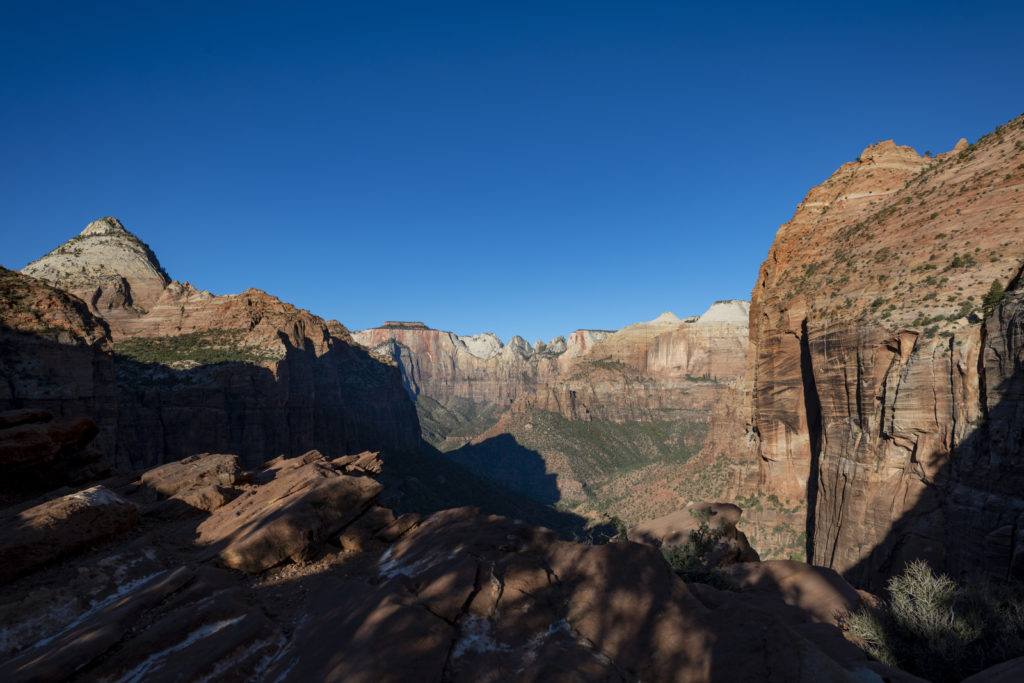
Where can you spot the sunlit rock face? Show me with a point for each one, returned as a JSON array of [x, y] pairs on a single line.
[[637, 373], [880, 388]]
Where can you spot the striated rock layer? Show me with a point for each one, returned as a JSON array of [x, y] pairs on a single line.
[[642, 372], [563, 421], [882, 387], [296, 575], [196, 372], [55, 356]]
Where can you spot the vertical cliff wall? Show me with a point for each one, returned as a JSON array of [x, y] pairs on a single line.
[[876, 371]]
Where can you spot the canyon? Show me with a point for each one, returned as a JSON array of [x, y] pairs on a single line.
[[568, 420], [879, 405], [238, 484]]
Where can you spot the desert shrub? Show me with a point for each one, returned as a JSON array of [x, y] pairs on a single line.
[[689, 561], [936, 629]]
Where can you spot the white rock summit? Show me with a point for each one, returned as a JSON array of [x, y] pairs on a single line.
[[733, 311]]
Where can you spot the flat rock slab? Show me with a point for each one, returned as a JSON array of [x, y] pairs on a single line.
[[194, 472], [300, 503], [817, 593], [35, 442], [62, 527], [360, 633]]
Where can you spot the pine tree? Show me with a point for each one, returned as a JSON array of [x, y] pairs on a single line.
[[994, 296]]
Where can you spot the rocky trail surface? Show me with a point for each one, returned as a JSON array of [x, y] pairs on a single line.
[[201, 570]]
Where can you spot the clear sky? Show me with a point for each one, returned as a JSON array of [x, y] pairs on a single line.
[[515, 167]]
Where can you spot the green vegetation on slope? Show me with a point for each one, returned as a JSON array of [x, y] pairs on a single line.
[[195, 348], [599, 449], [588, 461], [449, 426]]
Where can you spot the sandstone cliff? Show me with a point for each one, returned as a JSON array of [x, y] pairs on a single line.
[[247, 373], [563, 421], [664, 369], [877, 368], [55, 356], [112, 270]]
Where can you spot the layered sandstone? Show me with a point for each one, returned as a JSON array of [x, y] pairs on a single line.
[[56, 356], [876, 371], [478, 368], [647, 371], [340, 589], [243, 373], [664, 369], [563, 421], [112, 270]]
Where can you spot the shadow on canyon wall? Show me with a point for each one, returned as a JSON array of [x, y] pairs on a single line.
[[969, 519], [340, 402], [430, 481], [503, 459]]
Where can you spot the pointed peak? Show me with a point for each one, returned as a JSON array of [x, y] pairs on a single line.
[[667, 317], [104, 226]]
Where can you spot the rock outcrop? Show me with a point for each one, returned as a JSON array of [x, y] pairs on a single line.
[[112, 270], [56, 357], [37, 453], [454, 596], [641, 372], [717, 521], [195, 372], [875, 392]]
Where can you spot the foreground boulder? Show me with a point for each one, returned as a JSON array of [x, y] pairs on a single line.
[[200, 482], [62, 527], [340, 589], [675, 529], [37, 452], [300, 503]]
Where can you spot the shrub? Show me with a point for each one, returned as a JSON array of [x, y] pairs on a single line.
[[689, 561], [933, 628]]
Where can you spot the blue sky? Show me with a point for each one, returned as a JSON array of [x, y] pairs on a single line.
[[516, 167]]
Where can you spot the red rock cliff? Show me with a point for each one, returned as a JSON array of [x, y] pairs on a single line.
[[245, 373], [874, 386]]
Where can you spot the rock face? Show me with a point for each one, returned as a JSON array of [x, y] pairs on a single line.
[[109, 268], [479, 368], [661, 370], [56, 356], [561, 421], [286, 382], [245, 373], [875, 392], [633, 374], [58, 528], [37, 453], [454, 596]]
